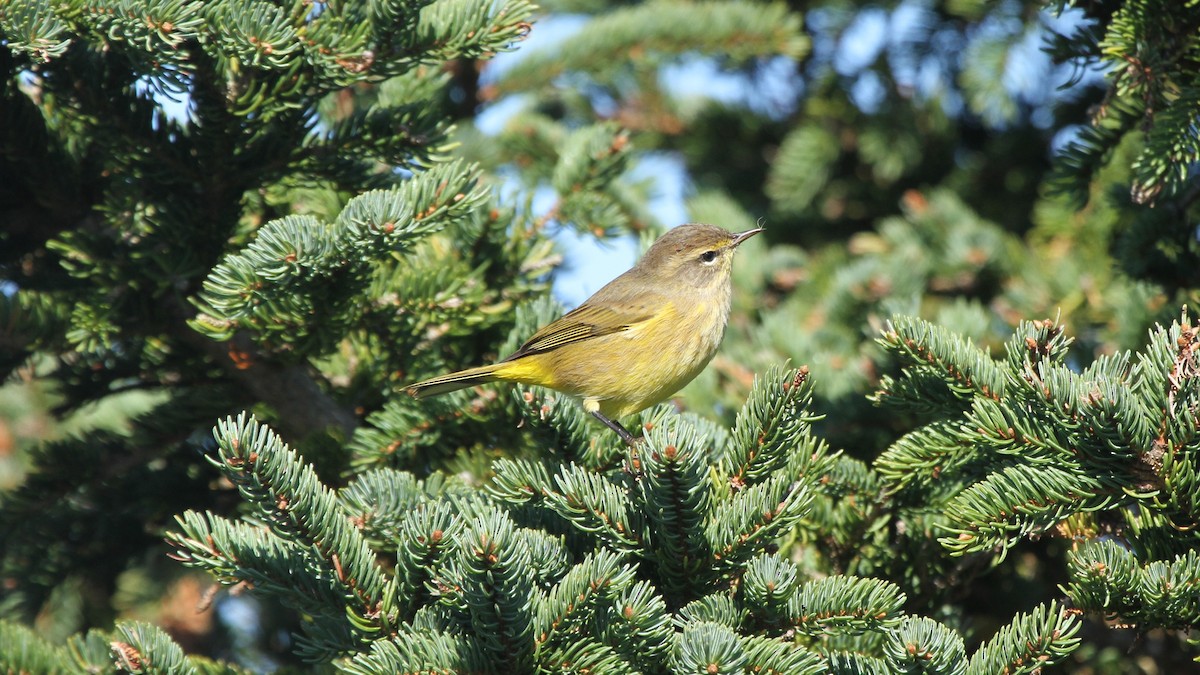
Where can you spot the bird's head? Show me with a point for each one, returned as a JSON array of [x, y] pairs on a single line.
[[700, 256]]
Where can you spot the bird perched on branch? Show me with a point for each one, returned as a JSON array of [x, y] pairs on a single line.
[[637, 341]]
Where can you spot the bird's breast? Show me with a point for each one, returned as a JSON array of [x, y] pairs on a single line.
[[627, 371], [661, 356]]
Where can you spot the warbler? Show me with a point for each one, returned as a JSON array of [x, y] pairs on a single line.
[[637, 341]]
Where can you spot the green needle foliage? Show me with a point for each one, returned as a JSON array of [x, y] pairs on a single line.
[[270, 216], [1043, 442], [660, 564]]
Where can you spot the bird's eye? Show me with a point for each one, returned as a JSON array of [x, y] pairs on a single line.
[[708, 256]]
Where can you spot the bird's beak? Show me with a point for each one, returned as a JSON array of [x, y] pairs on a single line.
[[743, 236]]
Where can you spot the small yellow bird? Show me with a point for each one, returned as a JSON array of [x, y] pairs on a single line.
[[635, 342]]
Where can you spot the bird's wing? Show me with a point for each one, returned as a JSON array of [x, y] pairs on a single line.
[[590, 320]]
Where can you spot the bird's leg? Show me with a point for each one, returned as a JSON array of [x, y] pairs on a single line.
[[616, 426]]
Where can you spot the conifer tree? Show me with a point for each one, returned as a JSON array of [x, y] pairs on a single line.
[[949, 485]]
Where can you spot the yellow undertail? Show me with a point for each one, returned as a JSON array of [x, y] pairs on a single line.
[[529, 369]]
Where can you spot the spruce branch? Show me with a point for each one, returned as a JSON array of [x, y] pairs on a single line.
[[917, 391], [564, 425], [742, 525], [291, 287], [568, 608], [520, 482], [590, 161], [676, 502], [1170, 591], [419, 652], [404, 427], [766, 585], [495, 584], [966, 369], [773, 422], [848, 504], [663, 30], [1029, 643], [1078, 163], [250, 557], [274, 289], [921, 645], [1157, 175], [1106, 577], [257, 37], [845, 603], [802, 167], [982, 79], [587, 656], [591, 158], [159, 28], [922, 456], [775, 657], [1149, 63], [718, 607], [1169, 383], [32, 27], [1034, 344], [1058, 441], [598, 506], [550, 557], [1013, 430], [450, 29], [705, 647], [145, 649], [1180, 478], [298, 508], [636, 625], [386, 16], [996, 512], [383, 222], [850, 663], [1169, 389], [533, 141], [1152, 64], [601, 213], [381, 501], [91, 651], [23, 651], [28, 321], [242, 553], [400, 127]]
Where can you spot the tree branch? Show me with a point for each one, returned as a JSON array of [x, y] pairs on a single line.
[[292, 390]]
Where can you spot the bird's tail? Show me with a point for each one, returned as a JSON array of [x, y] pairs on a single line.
[[445, 384]]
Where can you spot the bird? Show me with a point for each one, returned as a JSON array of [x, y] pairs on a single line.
[[637, 340]]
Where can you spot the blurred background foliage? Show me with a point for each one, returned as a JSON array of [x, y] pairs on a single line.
[[975, 163], [937, 158]]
